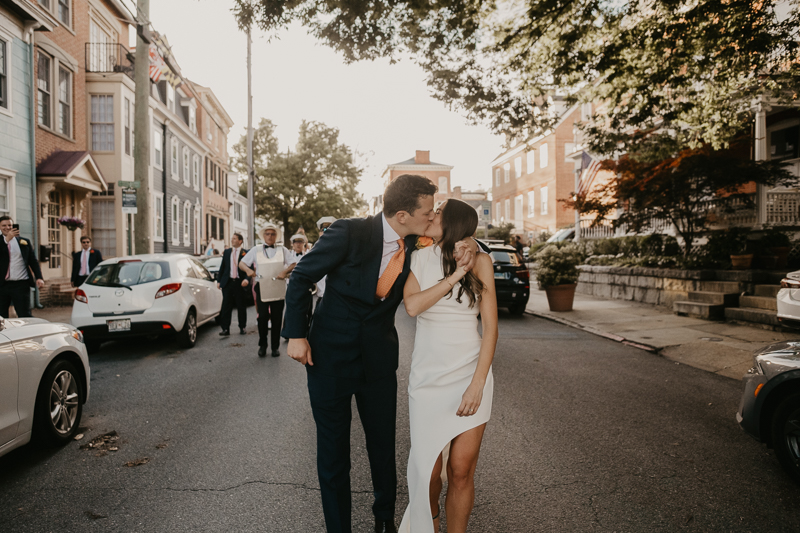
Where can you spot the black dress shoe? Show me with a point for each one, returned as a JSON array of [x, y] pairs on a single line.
[[262, 351], [225, 332], [385, 526], [242, 331], [276, 353]]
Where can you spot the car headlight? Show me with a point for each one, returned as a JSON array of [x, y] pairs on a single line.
[[77, 335]]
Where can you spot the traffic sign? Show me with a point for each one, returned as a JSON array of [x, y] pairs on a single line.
[[129, 184]]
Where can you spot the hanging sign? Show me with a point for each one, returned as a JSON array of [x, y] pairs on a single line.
[[129, 201]]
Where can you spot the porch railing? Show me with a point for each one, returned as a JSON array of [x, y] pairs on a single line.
[[109, 57]]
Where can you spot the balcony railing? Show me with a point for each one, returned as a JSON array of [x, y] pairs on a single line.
[[109, 57]]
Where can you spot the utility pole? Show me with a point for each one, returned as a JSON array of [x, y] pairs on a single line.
[[251, 204], [142, 129]]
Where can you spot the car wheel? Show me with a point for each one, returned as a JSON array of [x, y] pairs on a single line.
[[516, 309], [786, 435], [59, 405], [188, 334]]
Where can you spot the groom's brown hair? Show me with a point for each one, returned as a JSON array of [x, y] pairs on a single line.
[[404, 192]]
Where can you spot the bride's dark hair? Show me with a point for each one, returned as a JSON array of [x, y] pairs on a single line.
[[459, 221]]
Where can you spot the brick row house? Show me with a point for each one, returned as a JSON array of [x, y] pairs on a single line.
[[421, 165], [530, 178]]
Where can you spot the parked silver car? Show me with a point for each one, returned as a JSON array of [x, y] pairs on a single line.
[[44, 382]]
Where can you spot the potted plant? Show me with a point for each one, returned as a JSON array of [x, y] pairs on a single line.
[[556, 271], [776, 243], [736, 240], [72, 223]]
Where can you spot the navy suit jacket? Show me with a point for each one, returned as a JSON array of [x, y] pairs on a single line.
[[95, 258], [352, 333], [224, 275], [28, 255]]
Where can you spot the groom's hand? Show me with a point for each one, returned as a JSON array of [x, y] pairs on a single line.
[[465, 253], [300, 351]]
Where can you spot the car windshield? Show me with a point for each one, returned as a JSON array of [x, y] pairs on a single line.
[[127, 273], [561, 235], [505, 256], [212, 262]]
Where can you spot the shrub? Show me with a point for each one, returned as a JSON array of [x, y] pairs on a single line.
[[557, 265]]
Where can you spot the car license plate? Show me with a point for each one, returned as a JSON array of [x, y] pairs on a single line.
[[119, 325], [500, 275]]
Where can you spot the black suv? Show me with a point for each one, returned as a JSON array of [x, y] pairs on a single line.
[[512, 281], [770, 407]]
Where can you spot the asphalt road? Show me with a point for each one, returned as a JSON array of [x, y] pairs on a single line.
[[586, 435]]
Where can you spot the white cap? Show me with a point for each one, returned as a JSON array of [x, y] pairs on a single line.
[[325, 220], [299, 236]]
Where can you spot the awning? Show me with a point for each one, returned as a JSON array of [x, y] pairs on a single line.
[[76, 170]]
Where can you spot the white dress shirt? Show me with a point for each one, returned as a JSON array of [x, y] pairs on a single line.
[[390, 245], [235, 263], [249, 258], [84, 263], [17, 270]]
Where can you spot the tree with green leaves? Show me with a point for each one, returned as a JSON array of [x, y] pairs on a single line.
[[682, 72], [319, 178]]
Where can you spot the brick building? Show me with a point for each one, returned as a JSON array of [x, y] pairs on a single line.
[[421, 165]]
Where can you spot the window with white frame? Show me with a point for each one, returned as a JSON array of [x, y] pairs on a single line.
[[518, 167], [64, 102], [175, 217], [44, 67], [186, 176], [5, 49], [497, 214], [59, 8], [529, 161], [237, 212], [443, 184], [518, 211], [193, 119], [158, 216], [196, 173], [174, 170], [157, 146], [497, 177], [543, 200], [543, 156], [102, 122], [6, 193], [507, 209], [127, 112], [187, 218], [531, 204], [506, 172]]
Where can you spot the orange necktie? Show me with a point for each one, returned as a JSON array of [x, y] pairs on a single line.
[[393, 270]]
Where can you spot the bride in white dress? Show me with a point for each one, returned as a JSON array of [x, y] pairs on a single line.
[[450, 385]]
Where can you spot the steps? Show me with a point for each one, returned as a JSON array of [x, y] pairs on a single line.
[[760, 308], [704, 310], [724, 300]]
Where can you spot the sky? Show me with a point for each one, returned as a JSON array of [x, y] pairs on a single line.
[[382, 111]]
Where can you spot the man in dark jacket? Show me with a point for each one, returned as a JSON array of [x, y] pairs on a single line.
[[234, 284], [83, 262], [19, 270], [354, 342]]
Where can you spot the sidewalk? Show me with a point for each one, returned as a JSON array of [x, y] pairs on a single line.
[[719, 347], [54, 314]]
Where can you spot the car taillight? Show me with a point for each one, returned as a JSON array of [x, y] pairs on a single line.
[[81, 296], [787, 283], [168, 289], [523, 274]]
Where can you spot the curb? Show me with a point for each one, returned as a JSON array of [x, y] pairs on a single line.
[[593, 331]]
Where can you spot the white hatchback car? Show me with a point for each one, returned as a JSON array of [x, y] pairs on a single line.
[[44, 382], [146, 295], [789, 300]]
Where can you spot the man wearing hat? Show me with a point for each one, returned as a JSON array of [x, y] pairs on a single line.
[[267, 311]]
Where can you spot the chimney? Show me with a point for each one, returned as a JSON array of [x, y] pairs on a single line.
[[423, 157], [457, 192]]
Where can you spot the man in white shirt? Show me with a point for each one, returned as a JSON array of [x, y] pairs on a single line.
[[234, 284], [267, 311], [22, 272], [83, 262]]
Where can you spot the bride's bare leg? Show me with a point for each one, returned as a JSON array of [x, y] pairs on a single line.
[[435, 491], [464, 451]]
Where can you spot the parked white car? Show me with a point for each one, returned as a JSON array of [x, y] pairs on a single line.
[[44, 382], [789, 300], [146, 295]]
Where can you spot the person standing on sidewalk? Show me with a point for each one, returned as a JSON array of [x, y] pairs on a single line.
[[18, 261], [234, 284], [83, 262], [272, 310]]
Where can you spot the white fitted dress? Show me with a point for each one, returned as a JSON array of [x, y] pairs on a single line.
[[445, 356]]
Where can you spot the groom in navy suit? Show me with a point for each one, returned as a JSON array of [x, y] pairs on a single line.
[[351, 348]]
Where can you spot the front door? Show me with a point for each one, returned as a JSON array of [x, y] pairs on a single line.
[[9, 391]]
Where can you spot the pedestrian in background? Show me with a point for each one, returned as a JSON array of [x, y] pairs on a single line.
[[518, 245], [271, 311], [22, 271], [234, 284], [83, 262]]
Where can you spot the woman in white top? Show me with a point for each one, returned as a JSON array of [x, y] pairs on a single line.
[[450, 386]]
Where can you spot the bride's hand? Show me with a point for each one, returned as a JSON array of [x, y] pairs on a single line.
[[471, 400]]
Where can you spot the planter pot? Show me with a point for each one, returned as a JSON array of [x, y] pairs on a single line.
[[560, 297], [782, 255], [742, 262]]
